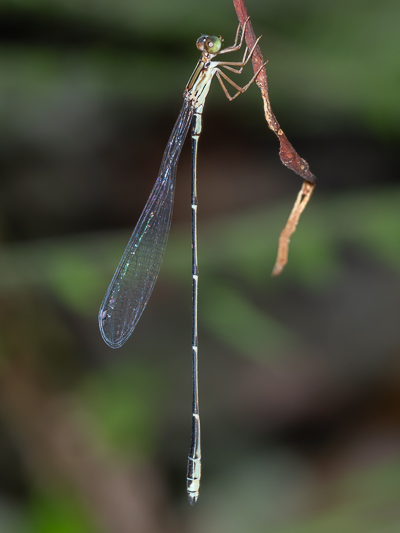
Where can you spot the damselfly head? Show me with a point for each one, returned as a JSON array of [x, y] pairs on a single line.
[[209, 43]]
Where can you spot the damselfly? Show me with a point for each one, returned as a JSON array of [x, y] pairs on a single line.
[[134, 279]]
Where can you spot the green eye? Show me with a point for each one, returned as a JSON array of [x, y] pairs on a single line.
[[213, 44], [209, 43]]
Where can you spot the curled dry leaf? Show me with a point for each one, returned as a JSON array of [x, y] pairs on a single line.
[[287, 153]]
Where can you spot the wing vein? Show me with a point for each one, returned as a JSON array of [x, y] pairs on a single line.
[[136, 274]]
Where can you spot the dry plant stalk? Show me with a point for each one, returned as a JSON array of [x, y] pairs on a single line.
[[287, 153], [291, 224]]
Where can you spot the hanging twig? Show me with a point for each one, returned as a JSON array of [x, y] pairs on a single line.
[[288, 154], [291, 224]]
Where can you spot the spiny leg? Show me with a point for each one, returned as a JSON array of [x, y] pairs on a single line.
[[228, 64], [236, 46], [239, 89], [238, 63]]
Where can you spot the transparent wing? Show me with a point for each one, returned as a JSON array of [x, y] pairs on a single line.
[[137, 272]]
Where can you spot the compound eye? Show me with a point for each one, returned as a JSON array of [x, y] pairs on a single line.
[[213, 44], [201, 43], [209, 43]]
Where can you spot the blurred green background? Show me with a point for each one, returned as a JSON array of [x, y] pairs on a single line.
[[299, 375]]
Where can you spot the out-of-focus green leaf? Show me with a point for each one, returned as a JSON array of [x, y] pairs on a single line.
[[372, 221], [56, 514], [234, 320], [124, 400], [365, 502]]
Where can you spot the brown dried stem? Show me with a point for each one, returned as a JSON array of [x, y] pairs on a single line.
[[284, 239], [287, 153]]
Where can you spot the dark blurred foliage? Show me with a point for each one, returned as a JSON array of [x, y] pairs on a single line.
[[300, 375]]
